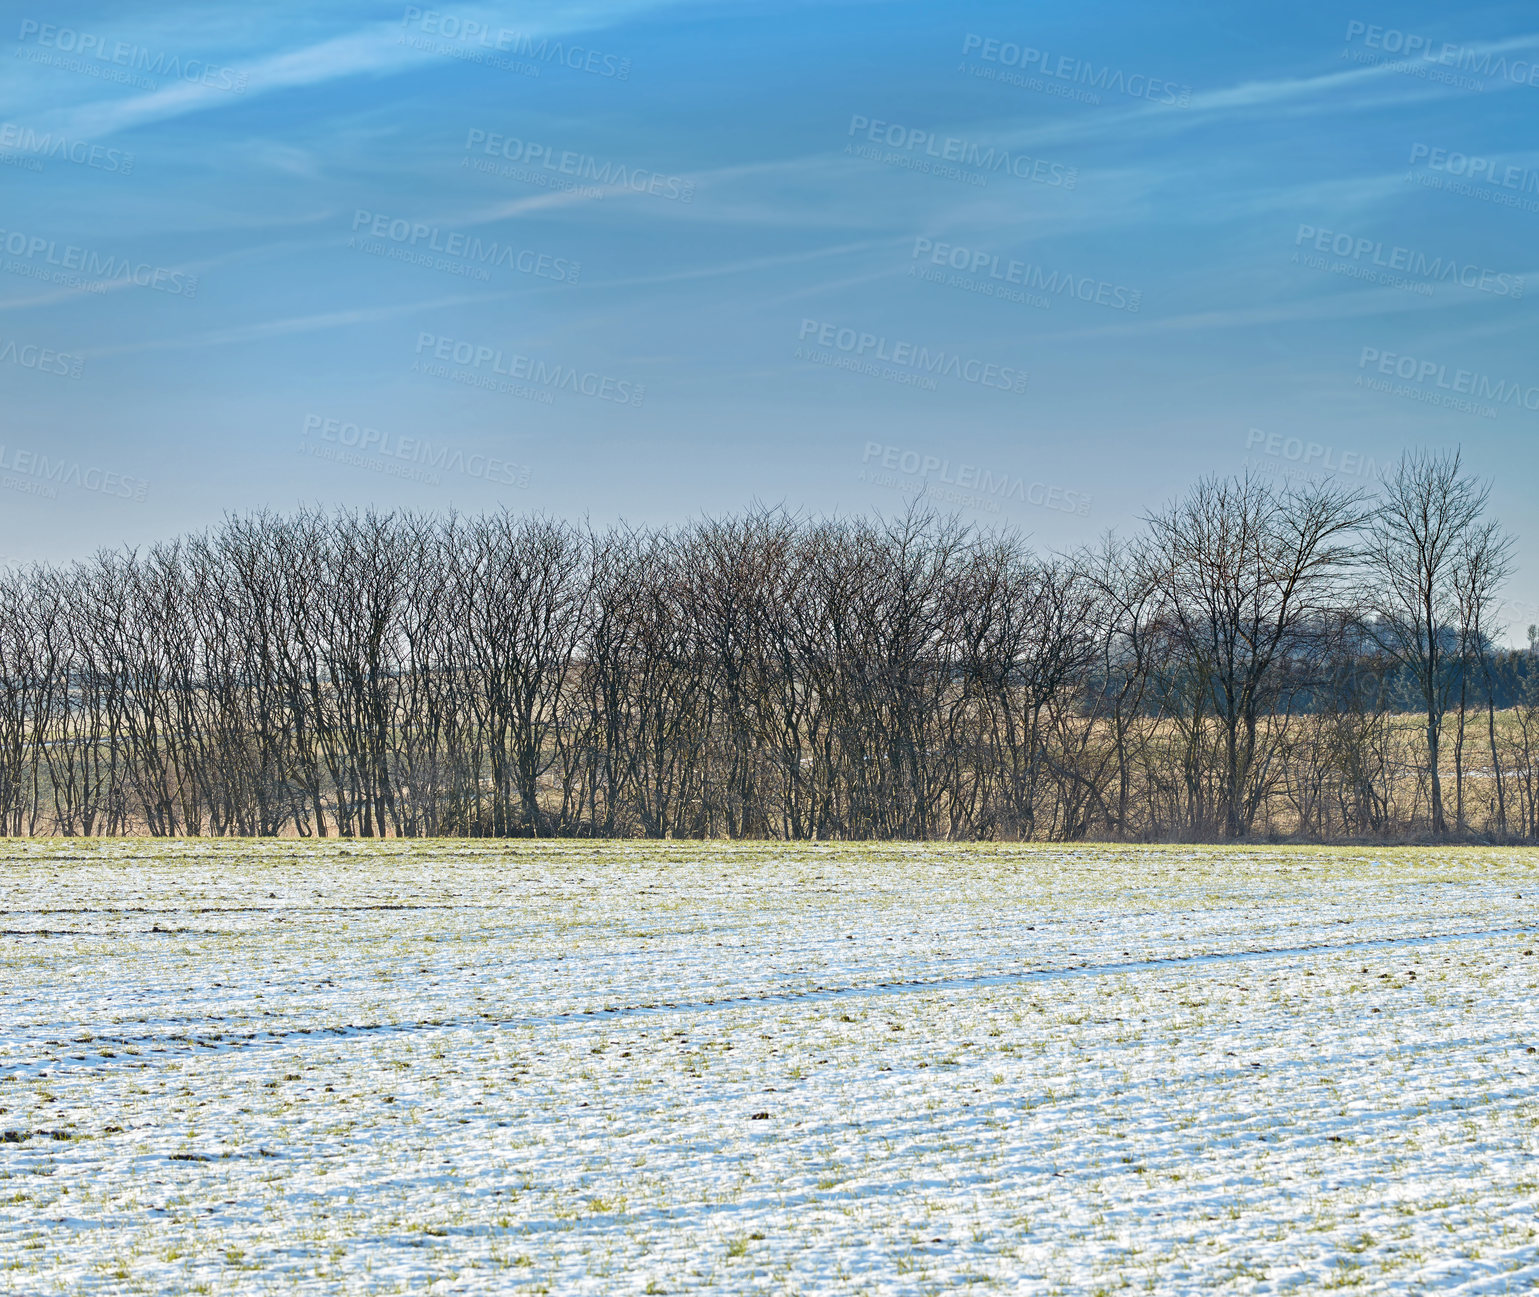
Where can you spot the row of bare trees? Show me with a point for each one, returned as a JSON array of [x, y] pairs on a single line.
[[1244, 665]]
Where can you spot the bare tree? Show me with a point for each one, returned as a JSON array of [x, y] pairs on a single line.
[[1483, 563], [1431, 511], [1250, 574]]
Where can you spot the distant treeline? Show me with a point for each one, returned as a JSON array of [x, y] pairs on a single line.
[[1259, 659], [1513, 678]]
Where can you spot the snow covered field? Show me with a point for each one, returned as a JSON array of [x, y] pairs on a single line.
[[626, 1068]]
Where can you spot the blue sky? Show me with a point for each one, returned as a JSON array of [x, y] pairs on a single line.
[[639, 259]]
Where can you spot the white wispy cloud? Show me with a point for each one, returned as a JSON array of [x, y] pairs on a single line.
[[1356, 88], [1323, 306], [378, 49], [262, 330]]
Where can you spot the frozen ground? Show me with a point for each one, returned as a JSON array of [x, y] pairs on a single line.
[[614, 1068]]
